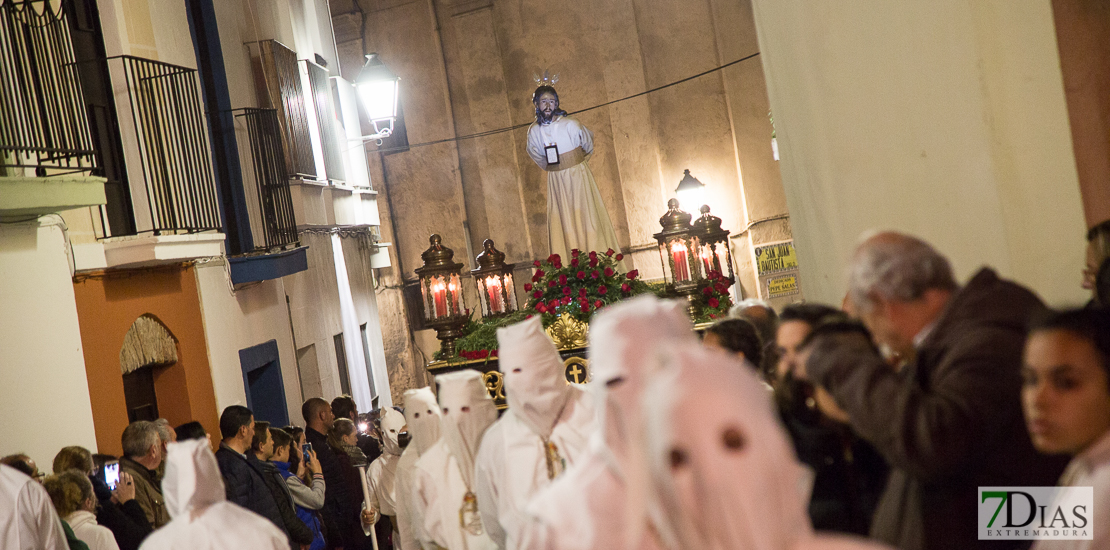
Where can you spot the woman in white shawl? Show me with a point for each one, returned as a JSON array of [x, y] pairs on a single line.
[[720, 466], [202, 518], [444, 484], [422, 416]]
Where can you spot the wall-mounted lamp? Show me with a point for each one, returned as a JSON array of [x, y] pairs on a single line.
[[377, 90]]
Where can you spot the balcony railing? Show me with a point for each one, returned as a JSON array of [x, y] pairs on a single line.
[[43, 123], [274, 218], [172, 145]]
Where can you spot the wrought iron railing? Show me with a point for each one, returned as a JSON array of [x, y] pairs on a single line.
[[43, 123], [172, 144], [275, 203], [325, 120], [282, 78]]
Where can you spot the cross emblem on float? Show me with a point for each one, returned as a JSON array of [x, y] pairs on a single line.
[[577, 370]]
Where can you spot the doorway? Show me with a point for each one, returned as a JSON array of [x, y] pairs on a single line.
[[263, 383]]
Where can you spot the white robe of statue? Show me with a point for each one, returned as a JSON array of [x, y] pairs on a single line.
[[576, 215], [444, 480], [381, 474], [422, 415], [719, 465], [545, 430], [591, 507]]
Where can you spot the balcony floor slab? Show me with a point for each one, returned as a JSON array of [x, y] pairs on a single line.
[[30, 196]]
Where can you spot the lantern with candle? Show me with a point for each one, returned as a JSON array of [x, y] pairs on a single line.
[[713, 252], [495, 282], [442, 292], [679, 250]]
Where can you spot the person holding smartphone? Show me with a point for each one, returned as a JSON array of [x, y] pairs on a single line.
[[118, 509], [303, 475]]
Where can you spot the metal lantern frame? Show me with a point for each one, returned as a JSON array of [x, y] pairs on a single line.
[[442, 292], [714, 250], [678, 251], [494, 279]]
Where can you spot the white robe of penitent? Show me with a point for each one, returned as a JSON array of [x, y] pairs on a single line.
[[720, 467], [591, 507], [422, 415], [27, 518], [444, 481], [545, 430], [381, 474], [202, 518], [576, 214]]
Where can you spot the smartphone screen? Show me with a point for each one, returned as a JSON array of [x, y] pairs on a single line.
[[111, 474], [307, 449]]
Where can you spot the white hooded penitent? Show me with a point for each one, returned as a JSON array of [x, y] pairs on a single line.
[[588, 507], [545, 430], [381, 475], [202, 519], [422, 415], [720, 465], [444, 481]]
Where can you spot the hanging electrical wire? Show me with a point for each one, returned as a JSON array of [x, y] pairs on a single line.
[[529, 123]]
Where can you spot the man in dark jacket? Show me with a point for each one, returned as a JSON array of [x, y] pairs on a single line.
[[243, 480], [950, 420], [318, 418]]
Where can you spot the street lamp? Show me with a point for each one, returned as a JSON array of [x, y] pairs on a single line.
[[444, 306], [678, 249], [377, 90], [713, 242], [690, 191], [495, 282]]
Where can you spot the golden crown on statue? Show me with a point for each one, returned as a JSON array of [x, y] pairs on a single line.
[[546, 80]]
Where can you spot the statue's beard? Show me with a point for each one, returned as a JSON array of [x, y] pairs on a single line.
[[546, 117]]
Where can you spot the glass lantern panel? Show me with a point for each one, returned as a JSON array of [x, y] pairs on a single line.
[[438, 287], [454, 288], [510, 292], [679, 252], [668, 267], [492, 294]]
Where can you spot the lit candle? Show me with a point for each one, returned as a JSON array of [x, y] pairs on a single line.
[[722, 259], [681, 267], [439, 299], [493, 288], [707, 259], [453, 286]]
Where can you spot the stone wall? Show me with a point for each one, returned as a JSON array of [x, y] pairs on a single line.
[[467, 67]]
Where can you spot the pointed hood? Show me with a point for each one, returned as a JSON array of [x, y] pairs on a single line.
[[535, 378], [624, 343], [192, 481], [720, 464], [467, 412], [422, 415], [392, 424]]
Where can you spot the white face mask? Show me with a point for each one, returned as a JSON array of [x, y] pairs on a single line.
[[721, 466], [535, 380], [467, 412], [624, 343], [392, 423], [423, 416]]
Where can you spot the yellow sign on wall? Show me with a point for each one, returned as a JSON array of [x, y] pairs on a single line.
[[782, 286], [775, 258]]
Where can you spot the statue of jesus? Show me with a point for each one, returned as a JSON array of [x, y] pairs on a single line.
[[576, 216]]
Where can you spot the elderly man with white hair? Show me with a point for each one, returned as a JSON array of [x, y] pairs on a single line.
[[544, 431], [950, 421], [591, 506]]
